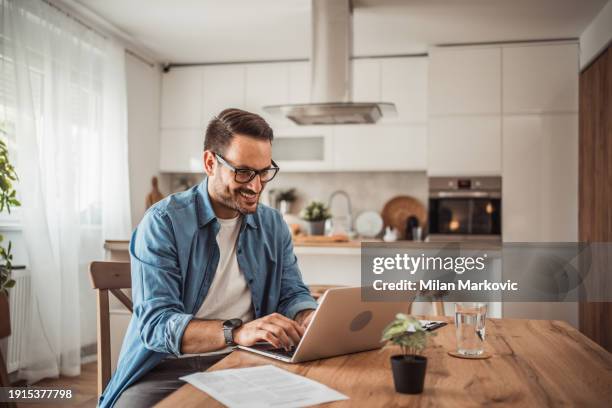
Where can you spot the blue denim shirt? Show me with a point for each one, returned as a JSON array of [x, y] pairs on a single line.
[[174, 257]]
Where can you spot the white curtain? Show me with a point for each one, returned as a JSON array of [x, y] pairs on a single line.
[[64, 107]]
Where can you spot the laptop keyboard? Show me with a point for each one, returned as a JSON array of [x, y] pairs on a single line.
[[282, 352]]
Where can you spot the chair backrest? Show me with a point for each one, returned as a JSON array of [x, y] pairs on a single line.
[[105, 277]]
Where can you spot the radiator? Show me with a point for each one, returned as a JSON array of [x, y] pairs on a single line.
[[19, 300]]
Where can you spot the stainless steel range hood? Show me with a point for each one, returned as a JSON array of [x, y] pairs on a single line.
[[332, 39]]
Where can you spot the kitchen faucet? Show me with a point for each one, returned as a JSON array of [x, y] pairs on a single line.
[[348, 205]]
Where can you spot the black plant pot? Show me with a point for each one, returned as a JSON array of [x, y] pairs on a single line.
[[409, 373]]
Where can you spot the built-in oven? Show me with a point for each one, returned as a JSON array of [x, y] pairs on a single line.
[[467, 208]]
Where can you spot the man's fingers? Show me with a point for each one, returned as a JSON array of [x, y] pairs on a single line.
[[279, 333], [293, 328], [269, 337]]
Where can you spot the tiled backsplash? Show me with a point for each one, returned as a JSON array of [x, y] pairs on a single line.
[[368, 191]]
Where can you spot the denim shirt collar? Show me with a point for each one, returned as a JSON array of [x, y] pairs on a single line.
[[205, 211]]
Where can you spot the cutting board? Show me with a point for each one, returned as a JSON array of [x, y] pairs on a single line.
[[396, 212]]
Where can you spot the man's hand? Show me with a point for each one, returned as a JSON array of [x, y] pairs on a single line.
[[304, 317], [276, 329]]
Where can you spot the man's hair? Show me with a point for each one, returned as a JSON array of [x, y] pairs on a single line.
[[223, 127]]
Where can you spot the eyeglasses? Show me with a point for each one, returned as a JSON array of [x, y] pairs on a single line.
[[244, 175]]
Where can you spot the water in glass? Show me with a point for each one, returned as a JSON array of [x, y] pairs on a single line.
[[470, 328]]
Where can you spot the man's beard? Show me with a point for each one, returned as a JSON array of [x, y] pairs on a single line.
[[232, 198]]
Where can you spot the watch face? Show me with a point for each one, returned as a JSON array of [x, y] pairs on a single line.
[[232, 323]]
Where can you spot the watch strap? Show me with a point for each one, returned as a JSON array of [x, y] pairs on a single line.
[[228, 330], [228, 334]]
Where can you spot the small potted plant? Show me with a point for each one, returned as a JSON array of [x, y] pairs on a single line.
[[7, 200], [409, 367], [6, 282], [284, 200], [315, 213]]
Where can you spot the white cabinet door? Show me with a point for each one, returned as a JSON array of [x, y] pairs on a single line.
[[181, 150], [465, 145], [266, 84], [540, 178], [366, 80], [404, 83], [299, 82], [380, 148], [465, 81], [223, 87], [540, 78], [181, 98], [303, 148]]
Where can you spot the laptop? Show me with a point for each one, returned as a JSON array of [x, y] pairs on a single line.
[[342, 324]]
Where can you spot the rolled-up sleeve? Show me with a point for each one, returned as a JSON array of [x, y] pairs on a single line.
[[294, 296], [156, 285]]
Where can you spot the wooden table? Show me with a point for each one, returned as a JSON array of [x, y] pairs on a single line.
[[534, 363]]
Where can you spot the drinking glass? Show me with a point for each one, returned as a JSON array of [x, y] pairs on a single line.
[[470, 328]]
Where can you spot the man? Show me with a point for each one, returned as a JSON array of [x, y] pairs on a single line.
[[210, 268]]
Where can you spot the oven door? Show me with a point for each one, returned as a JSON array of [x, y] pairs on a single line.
[[465, 216]]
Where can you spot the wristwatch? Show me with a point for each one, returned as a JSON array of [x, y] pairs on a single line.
[[228, 330]]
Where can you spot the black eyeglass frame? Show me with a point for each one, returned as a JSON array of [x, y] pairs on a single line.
[[242, 170]]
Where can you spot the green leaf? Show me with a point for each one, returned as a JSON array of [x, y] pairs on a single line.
[[396, 333]]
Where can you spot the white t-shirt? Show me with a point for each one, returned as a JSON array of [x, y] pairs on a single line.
[[229, 296]]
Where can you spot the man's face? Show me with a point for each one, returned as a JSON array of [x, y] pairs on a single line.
[[243, 152]]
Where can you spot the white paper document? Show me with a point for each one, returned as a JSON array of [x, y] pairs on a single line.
[[262, 386]]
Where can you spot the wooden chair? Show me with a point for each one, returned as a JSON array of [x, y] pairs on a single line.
[[105, 277], [438, 307], [436, 297]]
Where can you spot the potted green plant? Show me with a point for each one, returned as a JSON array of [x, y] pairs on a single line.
[[410, 366], [284, 200], [315, 214], [7, 200]]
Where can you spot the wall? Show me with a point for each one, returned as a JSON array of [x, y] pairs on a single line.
[[143, 93], [596, 36]]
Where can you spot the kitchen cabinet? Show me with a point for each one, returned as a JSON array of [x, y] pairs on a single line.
[[181, 150], [403, 81], [299, 82], [181, 98], [266, 84], [380, 148], [540, 178], [366, 80], [305, 148], [222, 87], [464, 145], [540, 78], [465, 80], [192, 96]]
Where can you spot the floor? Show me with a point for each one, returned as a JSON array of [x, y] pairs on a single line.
[[84, 388]]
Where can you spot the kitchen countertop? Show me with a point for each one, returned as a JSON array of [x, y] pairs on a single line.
[[352, 247]]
